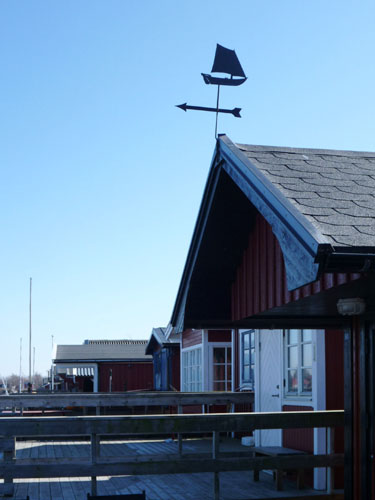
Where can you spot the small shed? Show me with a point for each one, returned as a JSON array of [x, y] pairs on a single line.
[[164, 347], [104, 366]]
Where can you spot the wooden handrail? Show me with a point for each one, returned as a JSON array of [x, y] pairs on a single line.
[[167, 424], [168, 398], [94, 426]]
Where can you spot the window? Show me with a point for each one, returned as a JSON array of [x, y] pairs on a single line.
[[298, 362], [222, 368], [192, 370], [247, 358]]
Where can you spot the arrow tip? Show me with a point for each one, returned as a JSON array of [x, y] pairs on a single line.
[[181, 106]]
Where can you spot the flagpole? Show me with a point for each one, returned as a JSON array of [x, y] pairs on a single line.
[[30, 381]]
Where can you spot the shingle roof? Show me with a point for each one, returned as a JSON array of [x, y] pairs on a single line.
[[131, 350], [334, 190]]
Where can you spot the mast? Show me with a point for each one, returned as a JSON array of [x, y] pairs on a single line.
[[30, 381], [20, 381]]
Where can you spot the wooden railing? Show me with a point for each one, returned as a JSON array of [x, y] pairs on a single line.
[[128, 399], [151, 425]]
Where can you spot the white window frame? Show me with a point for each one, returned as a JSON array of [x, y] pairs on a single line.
[[226, 345], [196, 383], [247, 384], [300, 393]]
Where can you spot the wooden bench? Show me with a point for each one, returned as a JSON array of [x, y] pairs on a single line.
[[279, 451]]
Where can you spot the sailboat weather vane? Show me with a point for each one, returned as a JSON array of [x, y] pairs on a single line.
[[226, 61]]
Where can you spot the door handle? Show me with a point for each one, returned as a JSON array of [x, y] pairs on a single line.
[[275, 395]]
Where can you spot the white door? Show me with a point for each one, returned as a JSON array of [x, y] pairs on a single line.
[[269, 382]]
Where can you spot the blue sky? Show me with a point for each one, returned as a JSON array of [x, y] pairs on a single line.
[[102, 176]]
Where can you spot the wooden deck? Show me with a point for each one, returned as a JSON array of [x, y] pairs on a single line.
[[233, 485]]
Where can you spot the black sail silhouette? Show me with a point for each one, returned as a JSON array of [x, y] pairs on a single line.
[[226, 61]]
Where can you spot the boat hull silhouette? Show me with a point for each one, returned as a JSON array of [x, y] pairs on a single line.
[[215, 80]]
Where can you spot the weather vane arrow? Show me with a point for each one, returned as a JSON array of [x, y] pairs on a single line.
[[226, 61], [235, 111]]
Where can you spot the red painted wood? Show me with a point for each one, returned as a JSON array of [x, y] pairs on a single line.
[[191, 337], [260, 283], [126, 376], [298, 439], [219, 335]]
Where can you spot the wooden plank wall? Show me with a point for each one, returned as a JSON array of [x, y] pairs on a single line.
[[260, 283]]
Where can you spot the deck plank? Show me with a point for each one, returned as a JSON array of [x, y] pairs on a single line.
[[233, 485]]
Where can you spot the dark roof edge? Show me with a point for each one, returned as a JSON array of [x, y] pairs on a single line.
[[327, 152]]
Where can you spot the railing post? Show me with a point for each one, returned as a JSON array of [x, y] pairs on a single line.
[[330, 450], [179, 435], [95, 443], [9, 454], [215, 454]]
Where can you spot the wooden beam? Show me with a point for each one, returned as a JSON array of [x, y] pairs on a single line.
[[141, 466], [167, 424], [170, 398]]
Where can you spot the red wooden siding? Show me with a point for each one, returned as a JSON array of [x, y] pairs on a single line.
[[219, 335], [260, 282], [191, 337], [126, 376], [298, 439]]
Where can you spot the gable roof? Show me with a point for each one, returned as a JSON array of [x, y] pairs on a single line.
[[103, 350], [319, 204], [162, 336]]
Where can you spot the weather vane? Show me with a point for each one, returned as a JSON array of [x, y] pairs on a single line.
[[226, 61]]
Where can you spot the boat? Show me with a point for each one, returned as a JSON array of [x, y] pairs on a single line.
[[226, 61]]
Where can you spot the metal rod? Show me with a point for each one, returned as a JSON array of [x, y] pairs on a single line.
[[217, 109], [30, 381]]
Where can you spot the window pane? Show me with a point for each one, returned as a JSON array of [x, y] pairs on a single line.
[[252, 339], [307, 354], [292, 381], [246, 357], [306, 379], [229, 355], [307, 335], [246, 340], [229, 386], [229, 372], [246, 373], [219, 372], [293, 336], [293, 357], [219, 355]]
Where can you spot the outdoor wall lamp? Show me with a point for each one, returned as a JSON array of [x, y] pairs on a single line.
[[351, 307]]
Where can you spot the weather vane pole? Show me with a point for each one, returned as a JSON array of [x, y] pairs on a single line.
[[226, 61]]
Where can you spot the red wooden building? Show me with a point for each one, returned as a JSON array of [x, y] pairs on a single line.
[[104, 366], [283, 255]]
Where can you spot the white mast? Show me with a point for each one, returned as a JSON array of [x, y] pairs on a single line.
[[20, 383], [30, 381]]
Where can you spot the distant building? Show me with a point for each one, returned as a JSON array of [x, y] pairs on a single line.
[[103, 366], [164, 346]]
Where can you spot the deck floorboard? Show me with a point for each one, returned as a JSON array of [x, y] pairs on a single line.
[[233, 485]]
